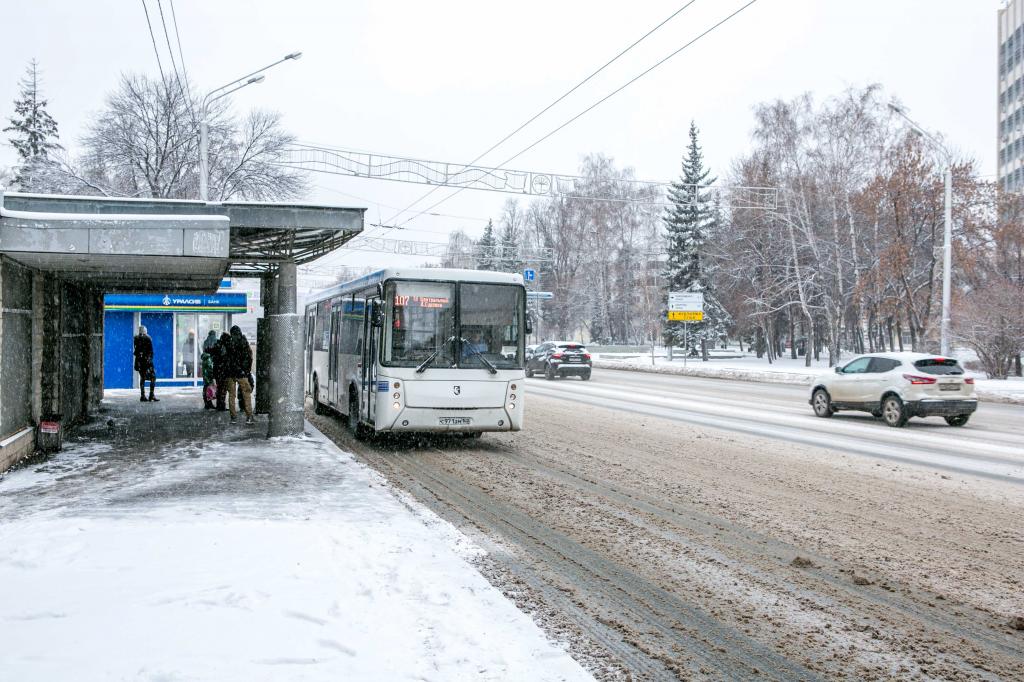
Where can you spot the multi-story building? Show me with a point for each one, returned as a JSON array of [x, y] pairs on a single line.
[[1010, 119]]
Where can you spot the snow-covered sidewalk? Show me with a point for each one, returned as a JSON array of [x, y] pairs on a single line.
[[780, 371], [243, 559]]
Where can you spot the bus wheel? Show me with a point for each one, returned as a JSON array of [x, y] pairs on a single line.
[[354, 427], [318, 407]]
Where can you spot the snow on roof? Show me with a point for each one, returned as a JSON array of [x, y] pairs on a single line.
[[110, 217]]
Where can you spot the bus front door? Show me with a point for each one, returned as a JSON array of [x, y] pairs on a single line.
[[371, 336]]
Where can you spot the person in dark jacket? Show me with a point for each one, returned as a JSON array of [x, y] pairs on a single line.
[[142, 350], [239, 365], [207, 365], [220, 370]]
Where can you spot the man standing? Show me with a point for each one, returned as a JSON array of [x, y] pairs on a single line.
[[142, 349], [220, 369], [239, 365]]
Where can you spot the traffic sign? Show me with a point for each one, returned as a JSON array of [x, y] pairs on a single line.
[[689, 301], [539, 295], [529, 275], [685, 316]]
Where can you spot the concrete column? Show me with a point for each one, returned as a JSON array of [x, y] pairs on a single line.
[[38, 315], [52, 341], [94, 377], [286, 365], [264, 343]]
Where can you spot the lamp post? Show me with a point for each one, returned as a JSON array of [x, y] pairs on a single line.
[[947, 246], [204, 109]]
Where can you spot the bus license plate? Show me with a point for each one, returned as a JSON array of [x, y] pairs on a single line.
[[949, 387], [455, 421]]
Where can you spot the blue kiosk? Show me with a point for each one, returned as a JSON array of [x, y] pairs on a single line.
[[178, 324]]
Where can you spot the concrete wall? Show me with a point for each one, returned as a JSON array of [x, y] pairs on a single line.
[[51, 354], [15, 347]]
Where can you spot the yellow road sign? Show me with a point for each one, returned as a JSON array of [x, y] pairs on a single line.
[[685, 316]]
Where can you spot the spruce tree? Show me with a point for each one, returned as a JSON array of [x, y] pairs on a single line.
[[509, 243], [34, 129], [692, 215], [486, 252]]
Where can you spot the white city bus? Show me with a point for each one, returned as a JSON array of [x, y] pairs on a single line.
[[420, 350]]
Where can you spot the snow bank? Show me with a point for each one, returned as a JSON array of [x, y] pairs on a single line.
[[254, 560], [781, 371]]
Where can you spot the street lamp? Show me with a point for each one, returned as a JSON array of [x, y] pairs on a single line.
[[947, 247], [204, 110]]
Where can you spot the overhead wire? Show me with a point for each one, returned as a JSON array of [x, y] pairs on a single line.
[[555, 102], [152, 36], [594, 105]]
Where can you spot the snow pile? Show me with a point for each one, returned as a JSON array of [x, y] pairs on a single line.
[[781, 371], [254, 560], [748, 368]]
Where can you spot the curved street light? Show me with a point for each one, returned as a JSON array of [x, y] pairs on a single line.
[[947, 246], [204, 128]]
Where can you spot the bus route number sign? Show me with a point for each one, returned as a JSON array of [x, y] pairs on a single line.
[[685, 316]]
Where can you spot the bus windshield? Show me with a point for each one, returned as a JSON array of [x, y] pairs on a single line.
[[490, 325], [423, 323]]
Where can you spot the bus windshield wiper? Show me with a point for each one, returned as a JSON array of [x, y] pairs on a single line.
[[490, 367], [430, 358]]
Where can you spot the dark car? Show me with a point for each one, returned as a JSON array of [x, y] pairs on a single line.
[[559, 359]]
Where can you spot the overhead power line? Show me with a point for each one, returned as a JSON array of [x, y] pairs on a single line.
[[560, 98], [594, 105], [152, 37], [167, 39]]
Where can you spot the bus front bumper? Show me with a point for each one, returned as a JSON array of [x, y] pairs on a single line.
[[441, 420]]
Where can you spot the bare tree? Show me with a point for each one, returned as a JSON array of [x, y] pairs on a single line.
[[145, 143]]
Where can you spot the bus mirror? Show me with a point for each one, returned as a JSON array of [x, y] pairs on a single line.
[[529, 325], [380, 290], [376, 316]]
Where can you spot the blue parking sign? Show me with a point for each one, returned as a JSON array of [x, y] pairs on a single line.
[[529, 275]]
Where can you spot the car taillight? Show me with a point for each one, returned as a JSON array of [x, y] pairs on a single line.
[[915, 379], [556, 356], [586, 356], [969, 380]]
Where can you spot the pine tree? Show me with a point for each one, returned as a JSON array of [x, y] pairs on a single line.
[[34, 129], [688, 222], [486, 257], [509, 243]]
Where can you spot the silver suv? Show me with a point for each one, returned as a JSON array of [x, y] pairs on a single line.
[[897, 386]]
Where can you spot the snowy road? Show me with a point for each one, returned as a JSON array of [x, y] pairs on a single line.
[[648, 524], [991, 445]]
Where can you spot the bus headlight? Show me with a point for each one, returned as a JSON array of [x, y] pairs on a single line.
[[513, 396], [397, 395], [511, 406], [397, 405]]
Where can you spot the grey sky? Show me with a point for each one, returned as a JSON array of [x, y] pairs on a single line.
[[445, 80]]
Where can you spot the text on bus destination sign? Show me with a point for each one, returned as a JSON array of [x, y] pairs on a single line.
[[421, 301]]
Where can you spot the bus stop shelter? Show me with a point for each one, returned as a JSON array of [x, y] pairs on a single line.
[[60, 254]]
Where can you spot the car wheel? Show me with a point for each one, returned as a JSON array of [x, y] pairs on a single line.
[[585, 376], [529, 373], [893, 412], [549, 373], [318, 407], [958, 420], [822, 403]]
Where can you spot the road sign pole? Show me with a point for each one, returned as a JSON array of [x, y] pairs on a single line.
[[686, 342]]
